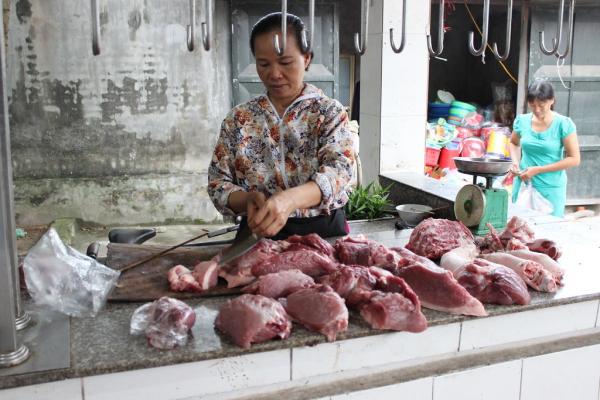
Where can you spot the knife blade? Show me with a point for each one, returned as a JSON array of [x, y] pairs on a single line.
[[244, 242]]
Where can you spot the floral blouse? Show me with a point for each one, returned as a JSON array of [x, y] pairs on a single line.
[[257, 150]]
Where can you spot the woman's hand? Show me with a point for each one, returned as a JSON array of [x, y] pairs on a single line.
[[529, 173], [514, 169], [254, 201], [272, 215]]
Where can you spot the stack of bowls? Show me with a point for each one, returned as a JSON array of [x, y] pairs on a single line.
[[458, 110], [437, 110]]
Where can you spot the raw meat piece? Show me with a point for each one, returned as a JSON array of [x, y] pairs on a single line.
[[206, 273], [353, 283], [239, 272], [491, 242], [309, 262], [319, 309], [362, 251], [251, 319], [517, 228], [279, 284], [548, 247], [436, 287], [531, 272], [434, 237], [181, 280], [314, 241], [515, 244], [393, 311], [486, 281], [546, 261]]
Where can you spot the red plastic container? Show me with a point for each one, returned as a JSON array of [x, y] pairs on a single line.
[[446, 157], [473, 147], [432, 154]]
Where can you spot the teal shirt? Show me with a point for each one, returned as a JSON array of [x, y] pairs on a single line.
[[543, 148]]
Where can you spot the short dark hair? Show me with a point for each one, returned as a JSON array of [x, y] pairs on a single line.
[[272, 22], [540, 90]]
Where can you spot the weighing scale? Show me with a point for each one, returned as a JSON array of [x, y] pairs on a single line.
[[477, 205]]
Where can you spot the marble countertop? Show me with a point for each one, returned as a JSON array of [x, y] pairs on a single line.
[[103, 344]]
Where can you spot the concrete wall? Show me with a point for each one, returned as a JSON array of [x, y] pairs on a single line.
[[124, 137]]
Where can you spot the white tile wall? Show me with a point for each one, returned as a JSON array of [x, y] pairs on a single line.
[[370, 77], [598, 317], [571, 374], [402, 142], [373, 350], [527, 325], [414, 390], [62, 390], [494, 382], [185, 380], [370, 131]]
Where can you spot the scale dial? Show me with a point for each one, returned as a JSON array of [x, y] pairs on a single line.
[[469, 205]]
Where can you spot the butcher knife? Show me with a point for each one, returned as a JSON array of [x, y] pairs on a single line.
[[244, 242]]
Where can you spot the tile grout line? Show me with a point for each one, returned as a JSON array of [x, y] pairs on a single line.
[[459, 336], [597, 312], [82, 389], [291, 364], [521, 380]]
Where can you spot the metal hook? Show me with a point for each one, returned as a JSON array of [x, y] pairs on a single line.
[[307, 43], [484, 31], [208, 25], [191, 37], [279, 50], [495, 51], [555, 40], [402, 40], [95, 27], [360, 40], [570, 37], [437, 53]]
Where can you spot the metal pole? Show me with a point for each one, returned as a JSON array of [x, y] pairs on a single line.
[[11, 353]]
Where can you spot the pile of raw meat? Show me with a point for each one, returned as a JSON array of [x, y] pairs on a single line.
[[306, 280]]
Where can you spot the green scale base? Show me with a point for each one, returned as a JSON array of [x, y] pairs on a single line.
[[496, 211]]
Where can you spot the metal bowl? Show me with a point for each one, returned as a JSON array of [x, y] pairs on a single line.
[[481, 165], [413, 214]]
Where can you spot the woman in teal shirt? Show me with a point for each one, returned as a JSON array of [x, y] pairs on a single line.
[[537, 145]]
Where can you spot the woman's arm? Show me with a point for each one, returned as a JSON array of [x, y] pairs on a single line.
[[514, 148], [572, 159]]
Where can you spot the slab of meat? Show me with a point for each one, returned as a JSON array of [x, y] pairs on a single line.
[[315, 242], [517, 228], [546, 261], [251, 319], [434, 237], [206, 273], [361, 251], [531, 272], [309, 262], [319, 309], [486, 281], [394, 311], [279, 284], [353, 283], [181, 280], [239, 272], [436, 287], [515, 244], [548, 247]]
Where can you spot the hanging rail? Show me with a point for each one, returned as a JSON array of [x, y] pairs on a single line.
[[307, 42], [191, 36], [484, 31], [402, 39], [557, 53], [495, 51], [360, 40], [438, 52], [95, 27], [556, 39], [207, 26], [279, 50]]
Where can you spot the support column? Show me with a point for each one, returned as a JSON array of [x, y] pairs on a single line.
[[393, 95]]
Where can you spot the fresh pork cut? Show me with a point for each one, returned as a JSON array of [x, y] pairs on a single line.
[[394, 311], [315, 242], [279, 284], [534, 275], [251, 319], [361, 251], [309, 262], [351, 282], [546, 261], [206, 273], [546, 246], [517, 228], [319, 309], [181, 280], [434, 237]]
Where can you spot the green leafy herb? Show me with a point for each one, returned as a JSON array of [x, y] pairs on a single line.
[[368, 202]]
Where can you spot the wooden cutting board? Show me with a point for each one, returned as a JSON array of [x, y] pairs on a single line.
[[148, 281]]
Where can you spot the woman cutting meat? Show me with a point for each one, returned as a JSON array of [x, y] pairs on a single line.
[[284, 158], [537, 144]]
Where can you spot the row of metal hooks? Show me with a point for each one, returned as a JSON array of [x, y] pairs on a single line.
[[360, 40], [206, 27]]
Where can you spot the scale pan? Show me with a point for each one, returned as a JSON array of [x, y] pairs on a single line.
[[482, 166]]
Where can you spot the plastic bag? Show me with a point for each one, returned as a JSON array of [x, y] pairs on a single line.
[[166, 322], [60, 277], [528, 197]]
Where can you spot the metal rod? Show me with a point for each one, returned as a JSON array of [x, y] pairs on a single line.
[[307, 43], [556, 39], [11, 352], [191, 35], [360, 40], [95, 27], [207, 27], [438, 52], [570, 37], [402, 39], [484, 31], [281, 49], [495, 51]]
